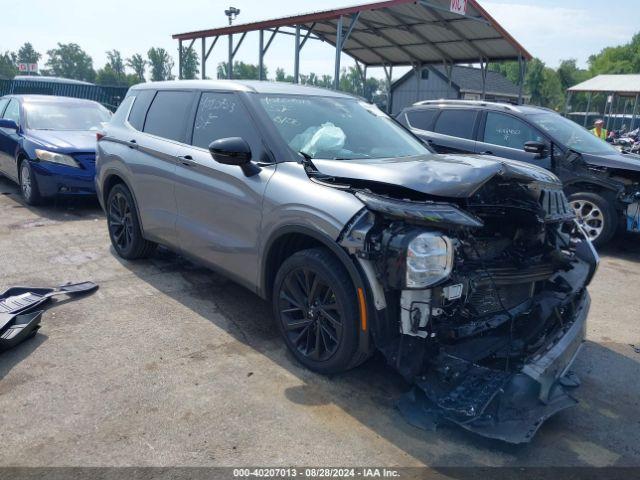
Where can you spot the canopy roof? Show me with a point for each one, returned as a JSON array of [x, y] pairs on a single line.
[[621, 84], [399, 32]]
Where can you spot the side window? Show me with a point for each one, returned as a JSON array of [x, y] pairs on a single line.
[[13, 111], [222, 115], [140, 106], [456, 123], [422, 119], [3, 103], [168, 115], [122, 111], [508, 131]]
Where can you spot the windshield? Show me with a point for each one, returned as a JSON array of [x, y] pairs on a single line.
[[571, 135], [338, 129], [66, 116]]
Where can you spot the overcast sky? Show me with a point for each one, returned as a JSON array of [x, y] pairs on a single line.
[[549, 29]]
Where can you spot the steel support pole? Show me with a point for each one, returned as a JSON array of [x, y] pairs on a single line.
[[339, 32], [296, 62], [567, 103], [179, 59], [364, 82], [261, 57], [635, 112], [483, 72], [586, 113], [230, 63], [204, 58], [417, 69]]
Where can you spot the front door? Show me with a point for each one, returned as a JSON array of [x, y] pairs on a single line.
[[219, 208], [9, 140], [504, 135]]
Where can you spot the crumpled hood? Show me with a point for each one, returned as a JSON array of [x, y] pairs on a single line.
[[80, 141], [614, 160], [453, 176]]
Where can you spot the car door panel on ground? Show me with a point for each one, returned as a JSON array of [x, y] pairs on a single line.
[[219, 208], [504, 135], [9, 140], [156, 154]]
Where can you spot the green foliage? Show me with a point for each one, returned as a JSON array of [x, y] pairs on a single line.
[[113, 73], [8, 68], [190, 63], [70, 61], [27, 54], [161, 64], [242, 71], [138, 64], [621, 59]]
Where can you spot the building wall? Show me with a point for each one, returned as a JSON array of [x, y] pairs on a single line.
[[434, 88]]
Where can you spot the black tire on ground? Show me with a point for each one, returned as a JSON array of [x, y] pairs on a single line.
[[597, 214], [316, 310], [28, 184], [124, 225]]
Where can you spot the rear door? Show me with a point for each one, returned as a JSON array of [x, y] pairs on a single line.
[[504, 135], [219, 208], [9, 140], [154, 152], [454, 131]]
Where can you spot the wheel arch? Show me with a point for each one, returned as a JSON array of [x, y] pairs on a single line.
[[111, 179]]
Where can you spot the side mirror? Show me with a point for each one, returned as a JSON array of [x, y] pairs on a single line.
[[8, 124], [539, 149], [234, 151]]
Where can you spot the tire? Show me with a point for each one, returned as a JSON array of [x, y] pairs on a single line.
[[597, 215], [313, 290], [124, 226], [28, 184]]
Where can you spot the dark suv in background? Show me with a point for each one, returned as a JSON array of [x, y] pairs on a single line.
[[603, 185]]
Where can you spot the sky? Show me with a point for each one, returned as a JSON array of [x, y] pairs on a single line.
[[549, 29]]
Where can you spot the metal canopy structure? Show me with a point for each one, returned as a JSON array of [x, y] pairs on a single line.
[[383, 34], [616, 88]]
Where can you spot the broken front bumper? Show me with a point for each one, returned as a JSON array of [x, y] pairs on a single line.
[[504, 405]]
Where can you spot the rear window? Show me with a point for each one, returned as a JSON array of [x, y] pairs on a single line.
[[422, 119], [167, 117], [456, 123], [140, 106]]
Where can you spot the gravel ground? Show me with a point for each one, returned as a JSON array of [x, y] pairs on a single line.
[[170, 364]]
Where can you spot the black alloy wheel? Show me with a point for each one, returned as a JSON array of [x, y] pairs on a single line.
[[124, 226], [311, 314], [316, 310]]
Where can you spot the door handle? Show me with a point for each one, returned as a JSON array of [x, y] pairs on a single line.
[[488, 152], [186, 160], [133, 144]]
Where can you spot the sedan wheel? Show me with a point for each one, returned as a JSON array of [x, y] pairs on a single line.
[[28, 185]]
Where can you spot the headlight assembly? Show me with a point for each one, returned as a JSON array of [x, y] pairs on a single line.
[[59, 158], [429, 260]]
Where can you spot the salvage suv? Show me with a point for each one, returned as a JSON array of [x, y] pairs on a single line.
[[602, 183], [468, 273]]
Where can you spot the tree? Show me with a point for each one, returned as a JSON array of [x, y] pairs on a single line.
[[27, 54], [241, 71], [161, 64], [138, 64], [113, 72], [70, 61], [570, 74], [190, 63], [8, 68]]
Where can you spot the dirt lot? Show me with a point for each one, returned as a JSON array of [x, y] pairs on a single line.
[[170, 364]]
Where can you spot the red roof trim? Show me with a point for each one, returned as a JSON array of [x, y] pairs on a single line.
[[286, 21]]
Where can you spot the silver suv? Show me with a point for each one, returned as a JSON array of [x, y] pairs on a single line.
[[468, 273]]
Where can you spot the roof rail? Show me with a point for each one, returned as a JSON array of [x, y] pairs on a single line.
[[478, 103]]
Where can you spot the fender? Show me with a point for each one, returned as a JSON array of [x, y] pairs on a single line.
[[107, 174]]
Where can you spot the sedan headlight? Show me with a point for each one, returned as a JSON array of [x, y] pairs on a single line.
[[47, 156], [429, 260]]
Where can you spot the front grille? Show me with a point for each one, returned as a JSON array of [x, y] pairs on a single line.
[[486, 300], [555, 205]]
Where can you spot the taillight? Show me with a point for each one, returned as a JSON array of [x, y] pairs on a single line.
[[99, 136]]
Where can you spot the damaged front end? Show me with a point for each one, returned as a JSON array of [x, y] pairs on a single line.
[[481, 302]]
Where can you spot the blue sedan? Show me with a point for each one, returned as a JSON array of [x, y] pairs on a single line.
[[48, 144]]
